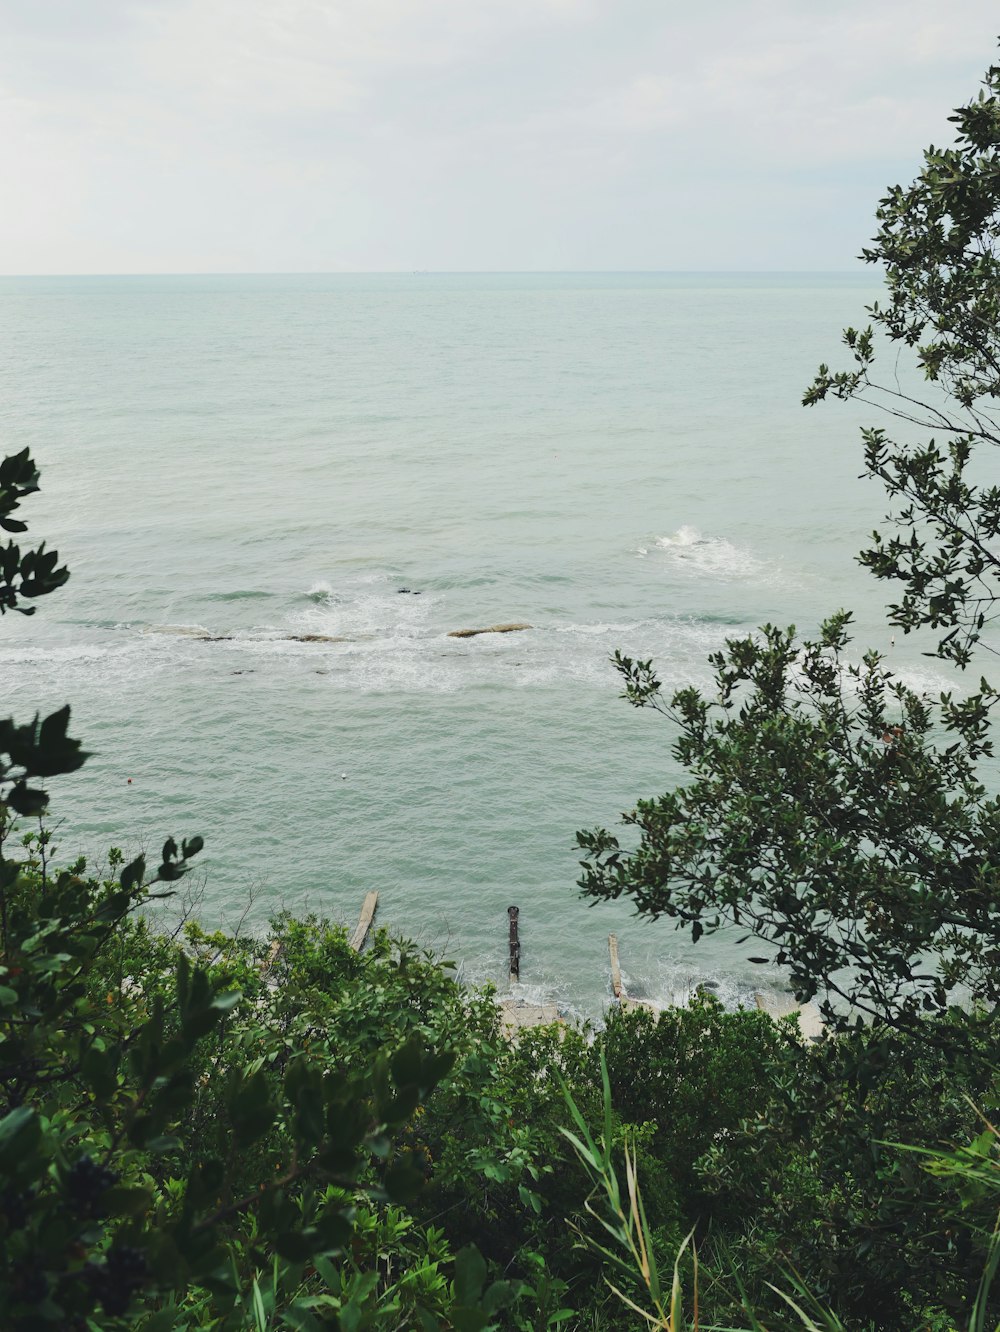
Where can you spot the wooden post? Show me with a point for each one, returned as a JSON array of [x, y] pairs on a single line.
[[616, 973], [515, 945], [365, 922]]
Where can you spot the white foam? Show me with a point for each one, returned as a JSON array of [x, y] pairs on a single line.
[[928, 683], [65, 654], [412, 652], [390, 641], [603, 628], [61, 669], [691, 551], [548, 989], [320, 591], [371, 605], [684, 536], [677, 984], [178, 630]]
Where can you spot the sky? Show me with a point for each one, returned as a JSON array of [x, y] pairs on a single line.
[[183, 136]]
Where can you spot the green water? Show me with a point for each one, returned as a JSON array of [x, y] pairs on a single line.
[[618, 460]]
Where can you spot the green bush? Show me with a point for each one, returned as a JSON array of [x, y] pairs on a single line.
[[185, 1129]]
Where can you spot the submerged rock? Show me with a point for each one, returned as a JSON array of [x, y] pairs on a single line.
[[315, 638], [281, 638], [490, 629]]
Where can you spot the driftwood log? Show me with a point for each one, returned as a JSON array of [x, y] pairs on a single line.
[[365, 922]]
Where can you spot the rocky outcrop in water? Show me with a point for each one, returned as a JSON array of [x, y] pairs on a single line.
[[280, 638], [490, 629], [203, 635]]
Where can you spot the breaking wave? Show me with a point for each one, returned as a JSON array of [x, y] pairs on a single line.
[[716, 556]]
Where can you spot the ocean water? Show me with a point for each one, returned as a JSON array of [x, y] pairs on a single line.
[[230, 464]]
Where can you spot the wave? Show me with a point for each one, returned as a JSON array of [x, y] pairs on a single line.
[[375, 605], [178, 630], [684, 536], [690, 550], [929, 683], [370, 637], [320, 591], [669, 985], [246, 636]]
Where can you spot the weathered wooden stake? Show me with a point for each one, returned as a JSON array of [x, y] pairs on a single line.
[[616, 972], [365, 922], [515, 945]]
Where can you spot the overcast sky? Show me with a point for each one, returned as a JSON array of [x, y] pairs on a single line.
[[160, 136]]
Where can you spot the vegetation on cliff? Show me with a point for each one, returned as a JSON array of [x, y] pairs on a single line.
[[203, 1130]]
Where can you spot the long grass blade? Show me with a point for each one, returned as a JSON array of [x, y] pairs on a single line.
[[260, 1317], [654, 1320], [608, 1119], [977, 1319]]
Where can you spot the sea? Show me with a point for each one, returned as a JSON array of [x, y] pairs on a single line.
[[279, 495]]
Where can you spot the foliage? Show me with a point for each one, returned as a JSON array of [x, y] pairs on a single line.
[[143, 1145], [845, 822], [24, 575], [937, 244], [151, 1140], [821, 1221], [834, 815], [826, 1194], [208, 1131], [622, 1216], [691, 1076]]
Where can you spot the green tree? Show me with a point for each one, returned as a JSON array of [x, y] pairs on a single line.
[[833, 813], [937, 246]]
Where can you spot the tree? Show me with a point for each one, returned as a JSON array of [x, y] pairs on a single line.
[[832, 812], [937, 243]]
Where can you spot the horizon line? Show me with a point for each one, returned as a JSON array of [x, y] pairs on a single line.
[[458, 272]]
